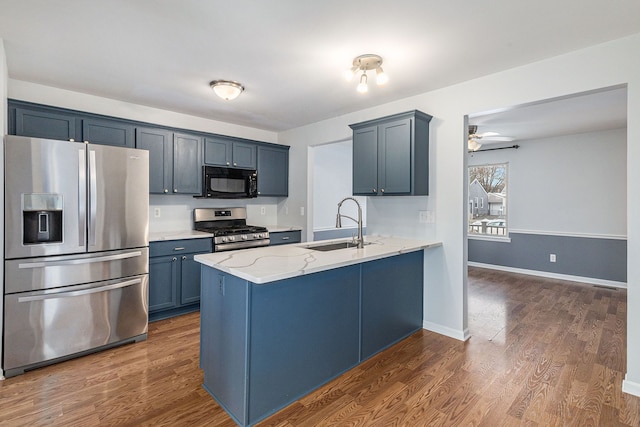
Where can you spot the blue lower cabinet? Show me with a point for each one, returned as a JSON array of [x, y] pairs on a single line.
[[264, 346], [391, 301], [284, 237], [303, 333], [174, 277]]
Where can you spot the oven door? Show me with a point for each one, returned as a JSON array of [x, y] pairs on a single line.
[[44, 325]]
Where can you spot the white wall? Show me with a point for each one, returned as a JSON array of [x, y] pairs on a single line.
[[332, 181], [572, 184], [176, 212], [604, 65], [3, 126]]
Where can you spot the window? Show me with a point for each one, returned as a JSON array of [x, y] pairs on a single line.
[[488, 182]]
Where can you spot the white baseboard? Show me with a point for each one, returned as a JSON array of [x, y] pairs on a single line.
[[630, 387], [460, 335], [590, 280]]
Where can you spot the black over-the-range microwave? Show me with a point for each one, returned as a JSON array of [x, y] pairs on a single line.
[[228, 183]]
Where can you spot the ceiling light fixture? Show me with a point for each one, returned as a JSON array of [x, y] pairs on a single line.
[[364, 63], [227, 89]]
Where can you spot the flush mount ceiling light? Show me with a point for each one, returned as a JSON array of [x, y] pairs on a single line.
[[362, 64], [227, 89]]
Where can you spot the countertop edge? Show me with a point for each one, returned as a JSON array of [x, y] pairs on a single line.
[[306, 269]]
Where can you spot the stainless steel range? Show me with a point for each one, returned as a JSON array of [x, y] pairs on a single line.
[[229, 228]]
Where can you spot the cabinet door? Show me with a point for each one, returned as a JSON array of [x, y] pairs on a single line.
[[163, 282], [187, 164], [394, 157], [108, 132], [273, 171], [224, 340], [365, 161], [284, 237], [49, 125], [190, 280], [159, 144], [244, 155], [391, 301], [217, 151]]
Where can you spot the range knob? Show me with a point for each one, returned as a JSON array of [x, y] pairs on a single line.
[[256, 236], [232, 238], [224, 239], [244, 237]]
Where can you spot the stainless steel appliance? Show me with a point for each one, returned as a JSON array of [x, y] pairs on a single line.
[[228, 183], [229, 228], [76, 250]]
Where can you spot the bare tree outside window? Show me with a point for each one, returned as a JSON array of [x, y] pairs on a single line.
[[488, 199]]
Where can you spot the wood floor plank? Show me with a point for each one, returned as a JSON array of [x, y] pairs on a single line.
[[543, 352]]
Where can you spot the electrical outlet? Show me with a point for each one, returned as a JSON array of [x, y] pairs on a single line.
[[301, 210], [156, 212], [426, 217], [286, 210], [552, 257], [263, 210]]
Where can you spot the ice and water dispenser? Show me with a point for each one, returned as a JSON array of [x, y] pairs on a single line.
[[41, 218]]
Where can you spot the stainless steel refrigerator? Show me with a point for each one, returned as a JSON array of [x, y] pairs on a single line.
[[76, 249]]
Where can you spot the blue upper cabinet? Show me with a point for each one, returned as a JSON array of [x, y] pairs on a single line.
[[159, 143], [175, 160], [108, 132], [45, 124], [187, 161], [229, 152], [175, 156], [391, 155], [273, 171]]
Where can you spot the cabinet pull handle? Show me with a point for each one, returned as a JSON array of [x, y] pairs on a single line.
[[174, 259], [382, 190], [178, 249], [175, 190], [235, 164], [285, 238], [374, 190], [166, 191], [227, 163], [184, 257]]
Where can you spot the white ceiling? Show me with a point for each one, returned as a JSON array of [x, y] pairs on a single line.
[[580, 113], [289, 54]]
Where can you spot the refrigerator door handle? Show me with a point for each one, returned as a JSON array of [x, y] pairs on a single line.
[[80, 292], [82, 196], [93, 197], [78, 261]]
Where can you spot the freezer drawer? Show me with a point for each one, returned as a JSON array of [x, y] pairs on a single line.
[[45, 325], [34, 274]]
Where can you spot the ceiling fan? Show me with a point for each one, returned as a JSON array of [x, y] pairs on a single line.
[[475, 137]]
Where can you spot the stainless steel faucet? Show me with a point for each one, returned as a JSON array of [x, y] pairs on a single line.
[[360, 239]]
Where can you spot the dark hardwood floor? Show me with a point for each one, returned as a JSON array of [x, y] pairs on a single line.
[[543, 353]]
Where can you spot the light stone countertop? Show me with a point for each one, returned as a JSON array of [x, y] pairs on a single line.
[[281, 228], [159, 236], [271, 263]]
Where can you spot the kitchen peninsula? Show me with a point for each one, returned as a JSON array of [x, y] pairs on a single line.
[[277, 322]]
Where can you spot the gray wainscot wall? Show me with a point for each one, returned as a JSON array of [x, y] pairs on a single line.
[[597, 258]]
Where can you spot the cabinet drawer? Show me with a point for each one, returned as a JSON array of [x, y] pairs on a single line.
[[284, 237], [173, 247]]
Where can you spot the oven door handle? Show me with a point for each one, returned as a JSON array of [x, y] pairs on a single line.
[[79, 261], [80, 292]]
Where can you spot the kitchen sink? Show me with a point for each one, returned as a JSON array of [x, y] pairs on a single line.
[[334, 246]]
